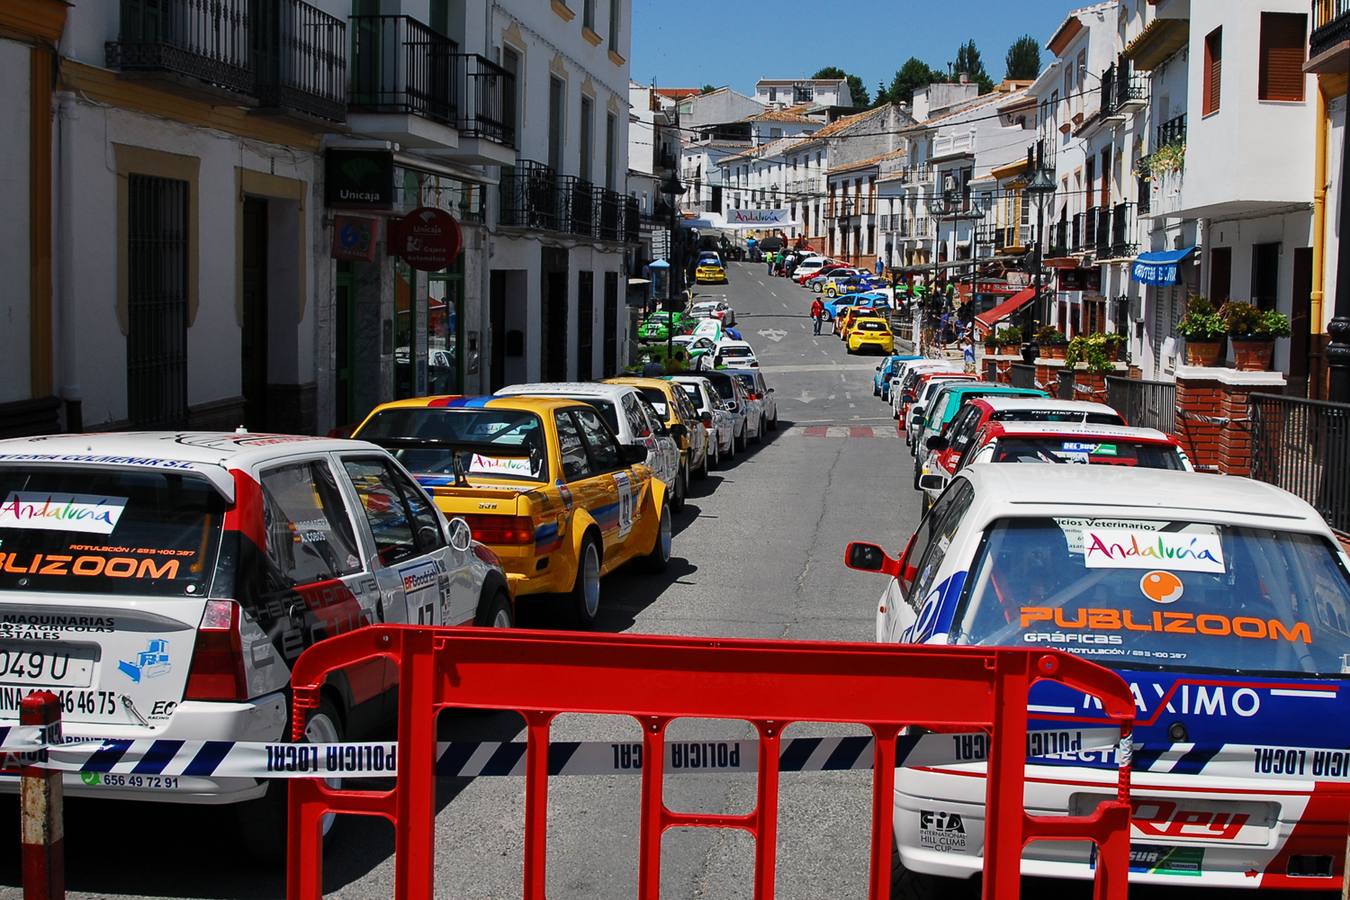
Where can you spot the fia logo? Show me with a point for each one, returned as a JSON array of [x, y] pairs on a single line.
[[941, 821]]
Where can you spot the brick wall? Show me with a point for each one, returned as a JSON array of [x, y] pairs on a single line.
[[1213, 419]]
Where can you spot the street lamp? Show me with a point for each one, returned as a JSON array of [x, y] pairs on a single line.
[[1039, 189], [672, 188]]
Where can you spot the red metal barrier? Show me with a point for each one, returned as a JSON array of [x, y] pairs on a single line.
[[655, 680], [41, 824]]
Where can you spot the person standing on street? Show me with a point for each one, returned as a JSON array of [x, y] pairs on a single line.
[[968, 354], [817, 314]]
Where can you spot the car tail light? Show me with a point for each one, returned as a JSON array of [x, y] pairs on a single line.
[[502, 529], [217, 671]]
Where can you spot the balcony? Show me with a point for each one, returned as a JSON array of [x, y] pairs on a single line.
[[632, 221], [575, 199], [302, 61], [1076, 230], [1059, 239], [1122, 92], [609, 223], [1329, 44], [487, 131], [402, 87], [1122, 244], [203, 47], [1101, 244], [1173, 131], [530, 198]]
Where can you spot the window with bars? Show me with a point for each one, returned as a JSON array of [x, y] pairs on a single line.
[[1213, 73], [1283, 42], [585, 324], [157, 301]]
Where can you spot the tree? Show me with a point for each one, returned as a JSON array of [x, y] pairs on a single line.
[[914, 74], [861, 98], [1024, 59], [968, 63], [707, 89]]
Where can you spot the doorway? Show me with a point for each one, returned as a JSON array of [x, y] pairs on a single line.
[[553, 320], [1265, 275], [253, 342]]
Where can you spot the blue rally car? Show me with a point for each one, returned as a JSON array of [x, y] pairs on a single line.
[[1224, 604], [871, 300], [881, 381]]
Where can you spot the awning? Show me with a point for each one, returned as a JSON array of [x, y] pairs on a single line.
[[1005, 309], [658, 264], [1158, 267]]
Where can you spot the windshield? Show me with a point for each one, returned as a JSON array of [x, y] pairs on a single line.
[[508, 427], [1056, 415], [1136, 454], [105, 531], [1161, 593]]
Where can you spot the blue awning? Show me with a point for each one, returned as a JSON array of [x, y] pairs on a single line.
[[1159, 266]]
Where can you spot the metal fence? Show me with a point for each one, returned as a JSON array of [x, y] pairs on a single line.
[[400, 65], [1144, 404], [1303, 446], [1022, 375]]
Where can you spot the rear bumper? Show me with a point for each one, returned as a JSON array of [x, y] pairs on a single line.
[[261, 719], [1307, 824]]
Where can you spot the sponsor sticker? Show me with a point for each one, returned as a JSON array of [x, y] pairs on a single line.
[[1132, 549], [152, 662], [1159, 860], [1161, 587], [44, 511], [942, 831], [497, 465], [1209, 624]]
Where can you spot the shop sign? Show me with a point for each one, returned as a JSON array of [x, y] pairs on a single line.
[[362, 179], [354, 238], [428, 239], [744, 217]]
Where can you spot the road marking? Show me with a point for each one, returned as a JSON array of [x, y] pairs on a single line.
[[773, 334], [834, 367], [840, 431]]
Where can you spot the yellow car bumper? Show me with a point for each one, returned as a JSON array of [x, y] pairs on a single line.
[[885, 345], [710, 276]]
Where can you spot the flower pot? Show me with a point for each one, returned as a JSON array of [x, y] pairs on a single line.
[[1253, 354], [1203, 353], [1054, 351]]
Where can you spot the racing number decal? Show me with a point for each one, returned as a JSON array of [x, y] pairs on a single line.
[[625, 486]]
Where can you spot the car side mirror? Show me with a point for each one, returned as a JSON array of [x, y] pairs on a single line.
[[916, 418], [867, 557], [632, 454], [458, 533], [678, 430], [936, 442], [933, 482], [878, 368]]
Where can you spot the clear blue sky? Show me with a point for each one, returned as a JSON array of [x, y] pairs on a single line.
[[689, 43]]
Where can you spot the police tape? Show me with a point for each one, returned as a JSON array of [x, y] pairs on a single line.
[[28, 746]]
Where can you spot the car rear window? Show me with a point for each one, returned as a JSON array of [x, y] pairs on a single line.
[[1096, 451], [108, 532], [736, 351], [867, 325], [1056, 415], [695, 396], [724, 388], [511, 428], [1167, 594], [656, 398]]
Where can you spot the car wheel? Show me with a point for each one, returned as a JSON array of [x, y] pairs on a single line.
[[495, 611], [679, 488], [773, 423], [586, 589], [816, 289], [715, 453], [262, 823], [738, 443], [702, 472], [759, 432], [909, 885], [876, 391], [659, 557]]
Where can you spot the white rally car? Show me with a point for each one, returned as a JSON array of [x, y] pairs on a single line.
[[1223, 603], [162, 584]]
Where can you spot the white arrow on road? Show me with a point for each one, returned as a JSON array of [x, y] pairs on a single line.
[[773, 334], [806, 397]]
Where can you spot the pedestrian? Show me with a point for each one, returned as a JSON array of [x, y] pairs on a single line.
[[881, 266], [769, 257], [968, 354], [817, 314]]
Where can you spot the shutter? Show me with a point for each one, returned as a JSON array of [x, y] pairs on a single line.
[[1282, 55], [1213, 70]]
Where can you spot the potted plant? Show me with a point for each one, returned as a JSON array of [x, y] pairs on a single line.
[[992, 341], [1204, 330], [1052, 341], [1253, 332], [1097, 351], [1010, 336], [1113, 343]]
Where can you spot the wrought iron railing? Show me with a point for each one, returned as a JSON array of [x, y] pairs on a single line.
[[212, 42], [483, 89], [1059, 239], [1120, 86], [1090, 221], [1076, 233], [576, 198], [609, 222], [1145, 188], [301, 53], [1303, 446], [632, 221], [1330, 25], [1173, 131], [530, 197], [1122, 220], [400, 65], [1144, 404], [1102, 246]]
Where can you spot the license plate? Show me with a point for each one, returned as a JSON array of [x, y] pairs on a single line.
[[57, 665]]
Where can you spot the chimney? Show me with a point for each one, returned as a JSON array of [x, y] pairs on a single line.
[[965, 79]]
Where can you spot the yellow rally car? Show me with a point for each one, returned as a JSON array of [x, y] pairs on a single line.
[[672, 404], [710, 271], [848, 317], [871, 333], [542, 482]]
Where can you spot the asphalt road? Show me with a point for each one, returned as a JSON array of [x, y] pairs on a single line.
[[757, 553]]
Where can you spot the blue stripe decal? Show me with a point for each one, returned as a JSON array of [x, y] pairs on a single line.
[[1196, 759], [160, 754], [207, 758], [106, 757]]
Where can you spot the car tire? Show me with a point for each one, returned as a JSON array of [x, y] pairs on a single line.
[[714, 453], [773, 423], [738, 443], [816, 289], [659, 557], [679, 489], [702, 472], [262, 824], [585, 593], [876, 391], [759, 432], [909, 885], [495, 611]]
